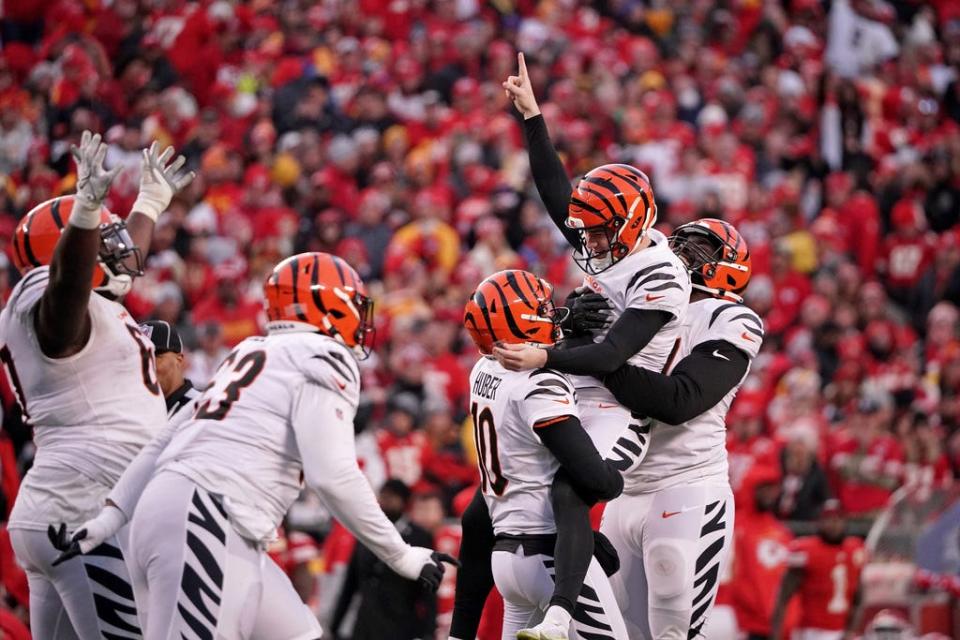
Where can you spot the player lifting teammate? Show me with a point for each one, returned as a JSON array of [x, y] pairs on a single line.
[[527, 428], [608, 221], [673, 526], [208, 494], [84, 376]]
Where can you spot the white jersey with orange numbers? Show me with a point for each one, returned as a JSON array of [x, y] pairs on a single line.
[[696, 450], [91, 412], [516, 469], [652, 278], [240, 443]]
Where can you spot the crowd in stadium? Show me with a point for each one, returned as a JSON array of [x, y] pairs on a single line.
[[827, 133]]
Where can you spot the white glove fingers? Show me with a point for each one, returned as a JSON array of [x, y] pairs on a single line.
[[175, 165], [85, 139], [75, 152], [101, 154], [153, 150], [183, 180], [165, 157]]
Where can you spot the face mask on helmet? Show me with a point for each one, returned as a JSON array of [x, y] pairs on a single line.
[[600, 247], [366, 334], [716, 266], [611, 209], [120, 259]]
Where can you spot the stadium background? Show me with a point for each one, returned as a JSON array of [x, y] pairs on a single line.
[[827, 133]]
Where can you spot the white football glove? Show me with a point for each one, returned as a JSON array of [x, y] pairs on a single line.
[[93, 181], [89, 536], [159, 181]]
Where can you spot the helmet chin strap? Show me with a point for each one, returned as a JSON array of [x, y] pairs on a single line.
[[729, 295]]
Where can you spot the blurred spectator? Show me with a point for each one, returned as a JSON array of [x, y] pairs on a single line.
[[390, 606], [828, 133], [805, 487], [866, 460], [760, 554]]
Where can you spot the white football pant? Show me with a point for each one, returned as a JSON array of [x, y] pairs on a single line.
[[673, 545], [526, 584], [88, 597], [196, 577]]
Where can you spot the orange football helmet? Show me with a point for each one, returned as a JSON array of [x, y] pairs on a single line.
[[323, 293], [716, 256], [37, 234], [514, 307], [615, 199]]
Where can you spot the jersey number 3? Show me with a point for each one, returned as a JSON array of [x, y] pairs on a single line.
[[491, 474], [228, 383]]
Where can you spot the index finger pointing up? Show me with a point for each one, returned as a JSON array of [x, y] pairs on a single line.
[[523, 67]]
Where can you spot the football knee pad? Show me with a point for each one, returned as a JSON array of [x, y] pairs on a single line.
[[666, 566]]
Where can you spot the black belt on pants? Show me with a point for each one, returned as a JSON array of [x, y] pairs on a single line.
[[531, 544]]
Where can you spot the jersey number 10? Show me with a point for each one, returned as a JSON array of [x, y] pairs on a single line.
[[485, 433]]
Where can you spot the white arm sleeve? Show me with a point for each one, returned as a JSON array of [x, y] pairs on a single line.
[[323, 426], [126, 493]]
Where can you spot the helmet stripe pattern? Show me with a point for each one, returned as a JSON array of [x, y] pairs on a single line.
[[294, 276], [315, 285], [507, 312], [55, 212], [515, 307], [28, 252]]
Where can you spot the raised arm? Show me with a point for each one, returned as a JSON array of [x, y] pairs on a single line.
[[549, 175], [158, 184], [62, 322], [696, 384]]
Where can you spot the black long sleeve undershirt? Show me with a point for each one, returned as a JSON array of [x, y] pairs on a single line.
[[475, 576], [628, 335], [590, 474], [696, 384], [549, 176]]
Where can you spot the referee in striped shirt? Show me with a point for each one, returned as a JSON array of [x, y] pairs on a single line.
[[168, 348]]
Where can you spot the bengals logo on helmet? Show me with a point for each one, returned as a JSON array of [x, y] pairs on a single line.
[[512, 307], [324, 293], [612, 208], [716, 256], [36, 235]]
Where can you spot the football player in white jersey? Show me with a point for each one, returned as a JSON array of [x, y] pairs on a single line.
[[527, 428], [608, 221], [673, 525], [208, 494], [84, 376]]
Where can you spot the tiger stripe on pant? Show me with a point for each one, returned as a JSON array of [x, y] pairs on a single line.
[[86, 598], [197, 578], [673, 546], [526, 583]]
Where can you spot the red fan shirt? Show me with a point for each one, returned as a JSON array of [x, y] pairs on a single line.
[[831, 573]]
